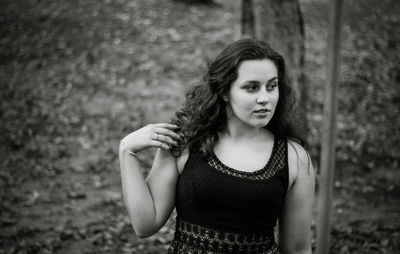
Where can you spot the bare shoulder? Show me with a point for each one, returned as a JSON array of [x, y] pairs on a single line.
[[299, 162], [182, 159]]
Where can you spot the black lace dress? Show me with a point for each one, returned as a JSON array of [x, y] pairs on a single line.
[[223, 210]]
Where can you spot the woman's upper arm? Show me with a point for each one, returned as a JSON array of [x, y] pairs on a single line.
[[162, 180], [295, 221]]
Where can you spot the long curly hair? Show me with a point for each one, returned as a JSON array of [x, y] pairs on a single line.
[[203, 115]]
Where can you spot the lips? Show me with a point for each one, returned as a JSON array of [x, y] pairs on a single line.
[[264, 110]]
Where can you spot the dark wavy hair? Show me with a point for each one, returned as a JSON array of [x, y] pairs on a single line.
[[203, 115]]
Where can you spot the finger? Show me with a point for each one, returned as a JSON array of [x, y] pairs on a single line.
[[159, 144], [165, 139], [166, 125], [169, 133]]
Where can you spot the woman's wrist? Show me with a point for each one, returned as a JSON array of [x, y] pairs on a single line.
[[124, 148]]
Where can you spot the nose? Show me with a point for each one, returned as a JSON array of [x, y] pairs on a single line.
[[262, 97]]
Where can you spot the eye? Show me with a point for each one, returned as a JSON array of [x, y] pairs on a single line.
[[272, 86], [251, 88]]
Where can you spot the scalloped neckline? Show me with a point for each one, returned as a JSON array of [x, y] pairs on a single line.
[[273, 152]]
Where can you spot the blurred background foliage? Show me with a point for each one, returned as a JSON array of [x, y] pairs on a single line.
[[76, 76]]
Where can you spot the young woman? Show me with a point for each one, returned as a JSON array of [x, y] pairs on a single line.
[[231, 163]]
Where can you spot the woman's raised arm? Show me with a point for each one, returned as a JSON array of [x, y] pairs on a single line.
[[149, 202]]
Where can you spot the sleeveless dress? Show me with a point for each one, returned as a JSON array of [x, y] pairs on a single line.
[[224, 210]]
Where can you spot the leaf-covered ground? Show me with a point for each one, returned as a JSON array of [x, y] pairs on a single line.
[[76, 76]]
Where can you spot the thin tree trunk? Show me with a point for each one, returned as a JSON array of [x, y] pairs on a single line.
[[328, 143], [248, 26]]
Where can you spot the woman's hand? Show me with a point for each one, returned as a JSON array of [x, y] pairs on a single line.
[[160, 135]]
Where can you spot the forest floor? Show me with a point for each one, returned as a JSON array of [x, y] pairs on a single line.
[[76, 76]]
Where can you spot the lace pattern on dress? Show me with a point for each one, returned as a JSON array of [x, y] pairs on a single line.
[[196, 239], [275, 163]]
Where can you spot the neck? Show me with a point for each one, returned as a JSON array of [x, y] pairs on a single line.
[[238, 131]]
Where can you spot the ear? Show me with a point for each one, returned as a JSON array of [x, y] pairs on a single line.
[[225, 97]]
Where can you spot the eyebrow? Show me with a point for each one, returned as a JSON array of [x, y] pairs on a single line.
[[253, 82]]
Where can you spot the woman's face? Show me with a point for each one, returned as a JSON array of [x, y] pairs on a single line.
[[253, 96]]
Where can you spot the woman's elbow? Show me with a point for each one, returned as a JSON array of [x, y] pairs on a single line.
[[143, 227], [143, 224], [144, 232]]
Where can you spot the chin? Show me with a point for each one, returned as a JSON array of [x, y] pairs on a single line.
[[260, 124]]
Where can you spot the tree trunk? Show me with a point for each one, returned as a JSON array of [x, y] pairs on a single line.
[[280, 24], [329, 130], [248, 26]]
